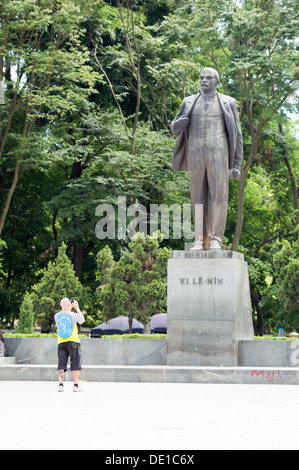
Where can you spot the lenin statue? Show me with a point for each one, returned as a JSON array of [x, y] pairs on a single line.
[[210, 147]]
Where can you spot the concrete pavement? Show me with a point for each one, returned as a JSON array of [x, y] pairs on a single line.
[[147, 416]]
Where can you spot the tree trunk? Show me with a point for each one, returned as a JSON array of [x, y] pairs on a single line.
[[78, 259], [77, 170], [244, 173], [78, 250], [239, 223], [259, 325], [16, 172], [292, 178], [10, 194], [130, 325]]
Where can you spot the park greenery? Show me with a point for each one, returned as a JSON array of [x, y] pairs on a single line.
[[90, 88]]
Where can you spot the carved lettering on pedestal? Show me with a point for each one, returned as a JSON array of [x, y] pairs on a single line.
[[200, 281]]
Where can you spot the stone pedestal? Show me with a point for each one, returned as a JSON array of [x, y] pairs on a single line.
[[209, 308]]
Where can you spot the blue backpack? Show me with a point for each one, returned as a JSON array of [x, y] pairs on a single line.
[[64, 323]]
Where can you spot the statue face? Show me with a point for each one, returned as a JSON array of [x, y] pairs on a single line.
[[208, 80]]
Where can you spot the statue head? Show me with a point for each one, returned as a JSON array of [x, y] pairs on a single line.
[[209, 80]]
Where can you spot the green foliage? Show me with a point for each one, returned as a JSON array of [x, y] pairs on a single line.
[[286, 263], [46, 75], [274, 338], [2, 246], [105, 264], [45, 38], [136, 336], [26, 320], [58, 282], [138, 281], [34, 335]]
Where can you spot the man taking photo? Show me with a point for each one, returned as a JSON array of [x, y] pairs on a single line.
[[68, 341]]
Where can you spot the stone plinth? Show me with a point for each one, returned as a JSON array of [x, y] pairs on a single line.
[[209, 308], [95, 351], [7, 361], [157, 374]]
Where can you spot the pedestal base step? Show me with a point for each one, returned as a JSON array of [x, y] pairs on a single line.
[[158, 374]]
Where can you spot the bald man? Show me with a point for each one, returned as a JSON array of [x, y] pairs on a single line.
[[69, 346], [210, 147]]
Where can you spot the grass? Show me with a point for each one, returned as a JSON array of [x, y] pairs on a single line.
[[54, 335], [274, 338], [33, 335], [135, 336]]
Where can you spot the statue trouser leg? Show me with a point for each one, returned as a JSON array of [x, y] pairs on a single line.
[[218, 184], [208, 171], [199, 193]]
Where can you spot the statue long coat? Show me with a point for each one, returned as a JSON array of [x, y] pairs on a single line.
[[231, 116]]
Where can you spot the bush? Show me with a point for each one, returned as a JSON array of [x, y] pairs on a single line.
[[136, 285], [59, 281], [33, 335], [26, 319], [137, 336], [274, 338]]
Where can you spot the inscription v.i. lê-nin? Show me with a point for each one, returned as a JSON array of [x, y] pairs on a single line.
[[200, 281]]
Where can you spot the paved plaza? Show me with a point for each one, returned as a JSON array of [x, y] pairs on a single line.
[[148, 416]]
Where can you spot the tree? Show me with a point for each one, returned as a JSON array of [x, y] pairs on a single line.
[[287, 158], [105, 264], [58, 282], [43, 65], [26, 319], [145, 61], [286, 263], [138, 281]]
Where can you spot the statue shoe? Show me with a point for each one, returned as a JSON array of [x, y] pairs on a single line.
[[198, 246], [215, 245]]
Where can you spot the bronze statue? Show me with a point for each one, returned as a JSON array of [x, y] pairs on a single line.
[[210, 147]]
